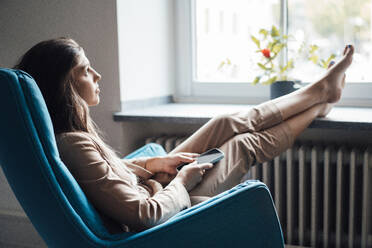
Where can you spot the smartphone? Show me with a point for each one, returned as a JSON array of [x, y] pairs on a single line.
[[211, 156]]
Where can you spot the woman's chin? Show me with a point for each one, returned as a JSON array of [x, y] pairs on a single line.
[[97, 102], [94, 103]]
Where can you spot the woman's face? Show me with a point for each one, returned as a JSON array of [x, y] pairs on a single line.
[[86, 81]]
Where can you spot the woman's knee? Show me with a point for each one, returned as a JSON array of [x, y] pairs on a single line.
[[260, 146], [240, 145], [239, 151], [235, 122], [244, 121], [221, 119], [270, 143]]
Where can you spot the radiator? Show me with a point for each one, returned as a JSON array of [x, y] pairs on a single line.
[[322, 192]]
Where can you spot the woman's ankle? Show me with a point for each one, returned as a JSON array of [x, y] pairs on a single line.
[[318, 91]]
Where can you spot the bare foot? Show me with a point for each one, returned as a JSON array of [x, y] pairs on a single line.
[[334, 80], [325, 109]]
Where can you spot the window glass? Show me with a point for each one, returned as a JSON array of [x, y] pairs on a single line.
[[224, 49], [331, 24]]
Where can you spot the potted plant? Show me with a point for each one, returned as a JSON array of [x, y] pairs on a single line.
[[270, 44]]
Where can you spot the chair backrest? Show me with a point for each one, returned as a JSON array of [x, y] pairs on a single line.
[[46, 190]]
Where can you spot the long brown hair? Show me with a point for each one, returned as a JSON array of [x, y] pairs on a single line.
[[50, 63]]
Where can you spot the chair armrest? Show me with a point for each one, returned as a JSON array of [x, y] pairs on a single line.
[[148, 150], [244, 215]]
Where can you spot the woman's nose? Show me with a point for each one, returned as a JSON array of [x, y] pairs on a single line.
[[97, 75]]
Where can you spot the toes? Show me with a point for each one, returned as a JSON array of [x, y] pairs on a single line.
[[346, 61], [331, 64], [345, 50], [349, 50]]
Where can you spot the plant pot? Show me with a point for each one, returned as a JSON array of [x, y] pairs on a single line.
[[281, 88]]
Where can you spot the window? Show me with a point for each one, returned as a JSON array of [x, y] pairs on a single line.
[[217, 58], [331, 24], [224, 50]]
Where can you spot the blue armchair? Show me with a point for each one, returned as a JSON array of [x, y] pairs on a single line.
[[63, 216]]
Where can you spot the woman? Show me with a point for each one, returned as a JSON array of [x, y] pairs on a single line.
[[141, 193]]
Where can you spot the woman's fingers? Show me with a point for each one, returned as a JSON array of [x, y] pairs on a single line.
[[185, 159], [205, 166], [164, 178], [172, 171], [190, 154]]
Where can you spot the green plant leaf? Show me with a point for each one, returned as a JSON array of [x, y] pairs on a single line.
[[270, 80], [277, 48], [263, 67], [264, 32], [314, 58], [221, 65], [270, 45], [313, 48], [290, 64], [323, 63], [256, 80], [274, 32], [256, 41], [302, 48]]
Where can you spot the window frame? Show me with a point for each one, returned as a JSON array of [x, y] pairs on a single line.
[[188, 89]]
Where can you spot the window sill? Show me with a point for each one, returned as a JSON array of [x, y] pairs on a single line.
[[346, 118]]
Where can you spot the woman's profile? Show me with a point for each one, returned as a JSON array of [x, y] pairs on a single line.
[[136, 194]]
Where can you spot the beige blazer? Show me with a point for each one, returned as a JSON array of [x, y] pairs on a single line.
[[135, 207]]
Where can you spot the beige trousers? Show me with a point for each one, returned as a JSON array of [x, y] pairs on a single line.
[[257, 135]]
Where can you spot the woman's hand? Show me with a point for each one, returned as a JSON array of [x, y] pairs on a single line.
[[169, 163], [192, 174]]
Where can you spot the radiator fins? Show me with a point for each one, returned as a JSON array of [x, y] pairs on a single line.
[[322, 193]]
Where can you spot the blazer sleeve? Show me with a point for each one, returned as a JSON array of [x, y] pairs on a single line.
[[113, 193]]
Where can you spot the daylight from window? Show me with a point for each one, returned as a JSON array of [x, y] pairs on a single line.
[[330, 24], [224, 49], [225, 52]]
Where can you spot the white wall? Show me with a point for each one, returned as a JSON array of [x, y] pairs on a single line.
[[146, 48], [93, 24]]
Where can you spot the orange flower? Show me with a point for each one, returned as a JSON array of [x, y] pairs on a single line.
[[266, 52]]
